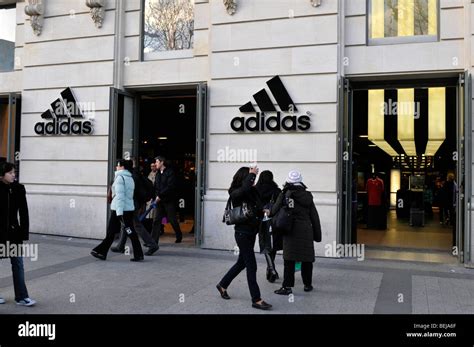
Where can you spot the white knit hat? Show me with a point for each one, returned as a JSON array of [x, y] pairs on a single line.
[[294, 177]]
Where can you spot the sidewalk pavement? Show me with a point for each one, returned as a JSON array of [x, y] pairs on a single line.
[[181, 280]]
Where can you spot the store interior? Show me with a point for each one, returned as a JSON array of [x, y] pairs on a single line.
[[404, 147]]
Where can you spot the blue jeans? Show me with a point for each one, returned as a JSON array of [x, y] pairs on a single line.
[[19, 278]]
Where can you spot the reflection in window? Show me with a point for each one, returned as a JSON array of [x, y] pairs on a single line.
[[402, 18], [7, 38], [168, 25]]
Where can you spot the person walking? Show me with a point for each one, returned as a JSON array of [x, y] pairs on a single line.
[[143, 192], [166, 199], [122, 212], [270, 240], [241, 191], [13, 232], [298, 243]]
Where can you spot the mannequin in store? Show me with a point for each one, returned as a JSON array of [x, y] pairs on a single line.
[[376, 211]]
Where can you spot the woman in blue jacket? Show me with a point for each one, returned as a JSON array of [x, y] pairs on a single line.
[[122, 208]]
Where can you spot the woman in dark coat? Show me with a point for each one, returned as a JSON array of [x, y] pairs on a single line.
[[13, 231], [270, 240], [298, 243], [241, 191]]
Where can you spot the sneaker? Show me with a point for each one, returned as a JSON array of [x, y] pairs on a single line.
[[308, 288], [2, 301], [26, 302]]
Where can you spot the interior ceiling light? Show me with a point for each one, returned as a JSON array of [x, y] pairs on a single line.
[[406, 120], [376, 121], [436, 119]]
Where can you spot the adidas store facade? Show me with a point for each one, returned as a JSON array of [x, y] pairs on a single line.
[[268, 82]]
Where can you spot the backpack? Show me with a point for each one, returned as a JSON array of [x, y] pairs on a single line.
[[144, 190], [283, 220]]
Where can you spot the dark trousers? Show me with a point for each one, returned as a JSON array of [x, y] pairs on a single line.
[[142, 232], [289, 273], [168, 210], [246, 260], [377, 218], [18, 272], [114, 228]]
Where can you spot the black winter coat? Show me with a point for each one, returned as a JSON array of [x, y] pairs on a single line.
[[165, 185], [13, 204], [268, 194], [298, 243], [248, 194]]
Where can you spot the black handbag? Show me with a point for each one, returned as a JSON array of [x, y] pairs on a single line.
[[283, 219], [238, 215]]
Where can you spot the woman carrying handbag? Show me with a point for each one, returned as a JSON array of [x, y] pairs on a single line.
[[242, 191], [298, 240], [122, 209]]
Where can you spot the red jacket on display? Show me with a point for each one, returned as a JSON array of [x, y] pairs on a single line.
[[375, 189]]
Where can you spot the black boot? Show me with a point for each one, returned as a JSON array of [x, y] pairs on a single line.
[[272, 275]]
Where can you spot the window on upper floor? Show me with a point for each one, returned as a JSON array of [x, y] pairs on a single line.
[[401, 21], [168, 25], [7, 37]]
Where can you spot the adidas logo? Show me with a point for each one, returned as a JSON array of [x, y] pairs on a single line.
[[64, 118], [259, 122]]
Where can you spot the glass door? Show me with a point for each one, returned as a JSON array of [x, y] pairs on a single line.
[[201, 130], [463, 170], [346, 199], [123, 128]]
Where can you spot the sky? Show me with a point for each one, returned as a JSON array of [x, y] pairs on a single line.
[[7, 24]]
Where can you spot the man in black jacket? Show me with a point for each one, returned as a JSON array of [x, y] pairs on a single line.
[[165, 190]]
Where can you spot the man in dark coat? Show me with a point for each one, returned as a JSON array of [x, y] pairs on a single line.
[[13, 231], [165, 190], [298, 243]]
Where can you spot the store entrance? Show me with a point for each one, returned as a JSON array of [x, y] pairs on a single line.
[[404, 177], [10, 122], [167, 127], [169, 122]]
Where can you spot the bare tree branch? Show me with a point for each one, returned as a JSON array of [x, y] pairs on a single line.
[[169, 25]]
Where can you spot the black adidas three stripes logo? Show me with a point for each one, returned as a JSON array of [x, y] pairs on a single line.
[[65, 117], [291, 122]]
